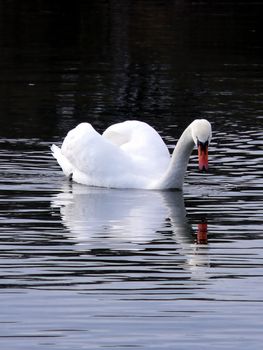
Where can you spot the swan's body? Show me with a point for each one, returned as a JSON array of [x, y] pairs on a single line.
[[129, 155]]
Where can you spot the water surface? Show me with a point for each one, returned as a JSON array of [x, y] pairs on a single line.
[[90, 268]]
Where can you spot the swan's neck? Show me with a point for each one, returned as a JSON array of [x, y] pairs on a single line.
[[174, 175]]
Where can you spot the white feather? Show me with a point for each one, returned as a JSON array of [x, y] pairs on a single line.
[[127, 155]]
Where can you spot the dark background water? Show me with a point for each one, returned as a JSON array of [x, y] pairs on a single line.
[[86, 268], [165, 62]]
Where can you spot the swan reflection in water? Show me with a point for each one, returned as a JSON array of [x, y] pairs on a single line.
[[116, 219]]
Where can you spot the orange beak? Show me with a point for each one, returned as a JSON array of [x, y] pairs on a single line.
[[203, 155]]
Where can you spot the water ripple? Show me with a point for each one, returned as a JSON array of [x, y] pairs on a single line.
[[127, 258]]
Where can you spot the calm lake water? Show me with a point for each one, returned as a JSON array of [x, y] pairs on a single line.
[[90, 268]]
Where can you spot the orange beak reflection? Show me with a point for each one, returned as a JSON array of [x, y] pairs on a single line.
[[203, 155], [202, 233]]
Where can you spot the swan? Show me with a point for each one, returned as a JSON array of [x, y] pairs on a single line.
[[130, 154]]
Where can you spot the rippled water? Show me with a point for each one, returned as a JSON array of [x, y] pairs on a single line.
[[90, 268], [86, 267]]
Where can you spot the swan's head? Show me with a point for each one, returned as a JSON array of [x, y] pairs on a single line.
[[202, 133]]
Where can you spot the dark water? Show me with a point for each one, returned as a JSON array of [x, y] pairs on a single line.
[[88, 268]]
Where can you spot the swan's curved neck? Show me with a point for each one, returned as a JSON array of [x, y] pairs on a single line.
[[174, 175]]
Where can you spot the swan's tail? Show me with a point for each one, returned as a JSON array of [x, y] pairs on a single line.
[[62, 160]]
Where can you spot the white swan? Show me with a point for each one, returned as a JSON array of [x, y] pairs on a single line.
[[130, 155]]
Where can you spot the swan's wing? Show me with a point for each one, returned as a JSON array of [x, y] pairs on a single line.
[[116, 135], [92, 159], [62, 160], [130, 155], [89, 151], [140, 141]]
